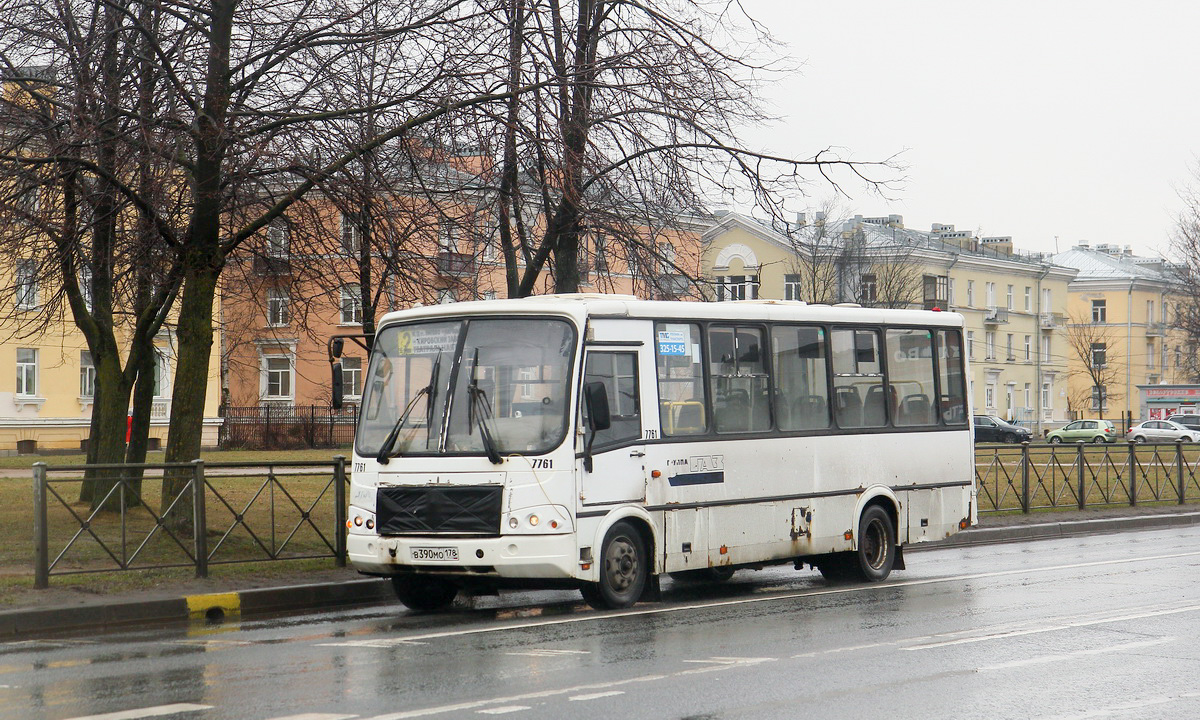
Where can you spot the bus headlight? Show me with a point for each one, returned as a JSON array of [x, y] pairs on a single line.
[[513, 522], [533, 520]]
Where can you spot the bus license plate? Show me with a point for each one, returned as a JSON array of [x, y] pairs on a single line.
[[434, 553]]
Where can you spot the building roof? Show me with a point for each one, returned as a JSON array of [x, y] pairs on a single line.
[[1097, 264]]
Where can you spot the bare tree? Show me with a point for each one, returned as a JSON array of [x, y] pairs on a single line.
[[1089, 345], [1185, 243]]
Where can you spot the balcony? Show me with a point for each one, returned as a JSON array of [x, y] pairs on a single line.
[[995, 316], [272, 265], [1050, 321], [1156, 329], [455, 264]]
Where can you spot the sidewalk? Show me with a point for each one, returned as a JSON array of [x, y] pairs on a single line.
[[214, 599]]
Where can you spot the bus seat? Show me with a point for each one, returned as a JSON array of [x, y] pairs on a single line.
[[688, 417], [809, 412], [848, 407], [874, 407], [915, 409], [733, 412]]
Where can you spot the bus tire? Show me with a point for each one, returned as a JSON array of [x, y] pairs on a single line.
[[424, 593], [623, 569], [876, 552], [836, 567]]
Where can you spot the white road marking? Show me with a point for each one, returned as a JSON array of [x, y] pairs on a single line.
[[1136, 707], [546, 652], [316, 716], [1058, 626], [731, 661], [155, 711], [504, 710], [1059, 657], [595, 696], [595, 617], [473, 705]]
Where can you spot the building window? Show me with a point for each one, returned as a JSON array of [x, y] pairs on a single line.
[[791, 287], [1046, 349], [1028, 349], [1045, 299], [1028, 396], [277, 239], [1150, 354], [1028, 302], [277, 307], [970, 344], [351, 307], [989, 348], [989, 398], [27, 372], [1008, 349], [1099, 397], [936, 291], [868, 288], [351, 234], [1099, 354], [446, 296], [666, 258], [27, 284], [1008, 298], [448, 236], [1149, 311], [87, 375], [278, 377], [737, 287], [352, 376], [990, 290], [162, 374], [970, 293], [1099, 311], [601, 253], [1046, 407], [950, 291]]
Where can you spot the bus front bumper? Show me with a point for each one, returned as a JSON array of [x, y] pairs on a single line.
[[517, 556]]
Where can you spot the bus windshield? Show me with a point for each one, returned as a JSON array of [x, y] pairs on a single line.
[[510, 377]]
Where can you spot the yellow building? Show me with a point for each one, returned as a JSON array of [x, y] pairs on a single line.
[[1013, 304], [1119, 317]]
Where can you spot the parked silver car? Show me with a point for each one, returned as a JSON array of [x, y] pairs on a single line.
[[1161, 431]]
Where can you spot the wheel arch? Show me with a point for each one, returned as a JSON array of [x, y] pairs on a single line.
[[642, 522], [885, 498]]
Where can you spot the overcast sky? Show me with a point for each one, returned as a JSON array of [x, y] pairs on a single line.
[[1033, 119]]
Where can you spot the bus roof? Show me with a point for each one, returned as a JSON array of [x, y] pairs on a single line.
[[581, 306]]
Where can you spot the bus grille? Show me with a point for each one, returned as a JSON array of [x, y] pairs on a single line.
[[452, 510]]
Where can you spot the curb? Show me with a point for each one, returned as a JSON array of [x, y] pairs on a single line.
[[212, 607], [1066, 528]]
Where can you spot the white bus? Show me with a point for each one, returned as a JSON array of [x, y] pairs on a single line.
[[598, 441]]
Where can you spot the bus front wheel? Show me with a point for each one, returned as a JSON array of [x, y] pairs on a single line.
[[421, 592], [623, 570]]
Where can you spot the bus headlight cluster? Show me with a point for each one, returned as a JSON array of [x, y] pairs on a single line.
[[532, 520], [360, 521]]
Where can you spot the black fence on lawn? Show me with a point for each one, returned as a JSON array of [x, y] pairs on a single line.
[[286, 427]]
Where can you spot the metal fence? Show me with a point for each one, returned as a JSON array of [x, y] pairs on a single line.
[[1030, 477], [286, 427], [215, 513]]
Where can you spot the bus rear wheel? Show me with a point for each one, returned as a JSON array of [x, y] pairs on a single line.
[[876, 545], [421, 592], [623, 570]]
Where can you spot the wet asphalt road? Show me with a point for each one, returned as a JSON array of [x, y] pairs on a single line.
[[1095, 627]]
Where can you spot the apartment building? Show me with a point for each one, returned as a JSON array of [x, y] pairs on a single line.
[[1119, 325], [1014, 304]]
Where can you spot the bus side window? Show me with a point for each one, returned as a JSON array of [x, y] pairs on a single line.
[[618, 372], [910, 371], [801, 393], [952, 403], [862, 400], [739, 389], [681, 401]]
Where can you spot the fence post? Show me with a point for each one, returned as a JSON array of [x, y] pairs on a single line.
[[41, 535], [1025, 478], [1179, 467], [200, 521], [1132, 473], [339, 509], [1079, 459]]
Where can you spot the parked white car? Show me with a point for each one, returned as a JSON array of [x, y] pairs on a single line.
[[1162, 431]]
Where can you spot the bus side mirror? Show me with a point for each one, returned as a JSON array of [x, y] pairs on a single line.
[[596, 398], [336, 385]]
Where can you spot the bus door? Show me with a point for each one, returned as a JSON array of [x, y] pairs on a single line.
[[618, 471]]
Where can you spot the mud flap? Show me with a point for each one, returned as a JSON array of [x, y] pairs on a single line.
[[652, 592], [899, 562]]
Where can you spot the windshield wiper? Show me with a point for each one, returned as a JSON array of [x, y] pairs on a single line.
[[430, 391], [478, 397]]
